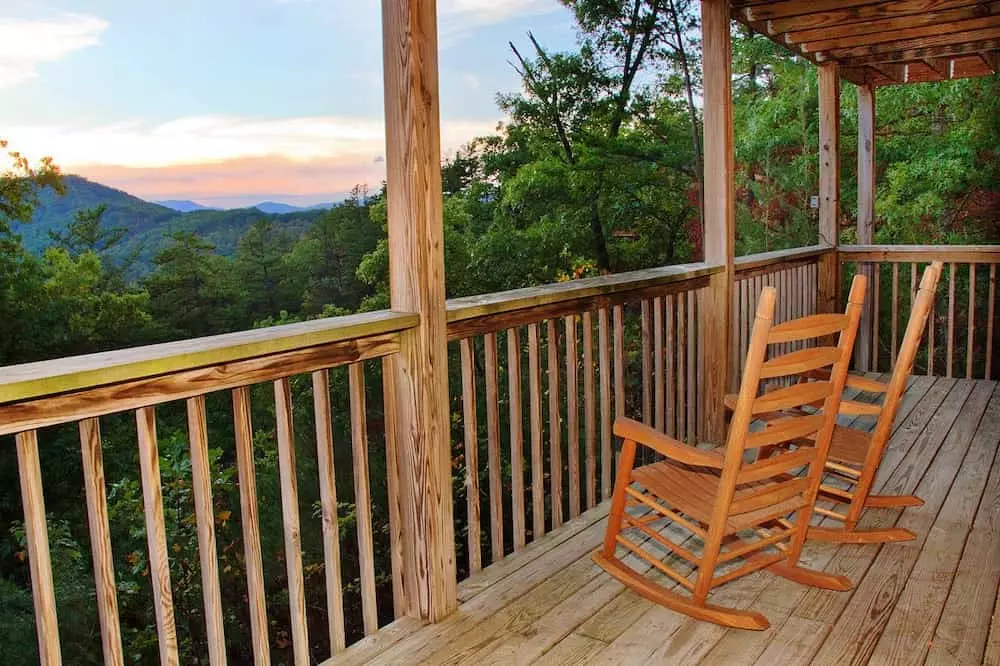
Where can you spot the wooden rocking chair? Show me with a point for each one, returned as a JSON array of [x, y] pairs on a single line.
[[855, 455], [738, 510]]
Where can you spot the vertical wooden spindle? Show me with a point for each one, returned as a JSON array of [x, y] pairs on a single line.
[[572, 417], [363, 495], [469, 421], [493, 447], [516, 436], [535, 400]]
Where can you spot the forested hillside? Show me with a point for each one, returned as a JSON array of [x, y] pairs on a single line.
[[595, 169]]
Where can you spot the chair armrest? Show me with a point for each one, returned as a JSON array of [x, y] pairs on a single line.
[[667, 446]]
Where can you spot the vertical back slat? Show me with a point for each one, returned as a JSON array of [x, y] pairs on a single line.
[[516, 436], [328, 506], [535, 400], [36, 535], [604, 349], [493, 446], [204, 510], [572, 417], [469, 421], [156, 535], [590, 417], [100, 541], [250, 521], [363, 495], [555, 426], [971, 338], [290, 520]]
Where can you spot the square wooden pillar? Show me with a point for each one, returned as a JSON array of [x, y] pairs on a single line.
[[720, 215], [866, 345], [829, 186], [417, 377]]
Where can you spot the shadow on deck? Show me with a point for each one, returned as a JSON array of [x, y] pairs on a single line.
[[930, 600]]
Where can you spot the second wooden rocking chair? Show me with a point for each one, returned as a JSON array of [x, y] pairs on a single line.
[[855, 455], [747, 515]]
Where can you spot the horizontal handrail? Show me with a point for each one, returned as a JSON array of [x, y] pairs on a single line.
[[964, 254], [752, 262], [29, 381]]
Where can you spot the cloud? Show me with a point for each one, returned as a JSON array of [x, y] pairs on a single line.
[[215, 157], [458, 19], [26, 44]]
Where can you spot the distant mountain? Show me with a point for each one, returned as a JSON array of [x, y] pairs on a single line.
[[276, 207], [147, 223], [183, 205]]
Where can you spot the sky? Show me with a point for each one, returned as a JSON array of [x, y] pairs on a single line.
[[233, 102]]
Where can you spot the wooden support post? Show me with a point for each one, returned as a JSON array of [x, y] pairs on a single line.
[[416, 277], [720, 218], [866, 215], [829, 186]]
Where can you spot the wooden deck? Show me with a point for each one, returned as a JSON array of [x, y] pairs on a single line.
[[926, 601]]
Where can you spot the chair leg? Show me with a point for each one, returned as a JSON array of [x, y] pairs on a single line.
[[892, 501], [845, 535], [727, 617], [811, 577]]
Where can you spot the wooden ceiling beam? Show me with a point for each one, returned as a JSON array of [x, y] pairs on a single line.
[[895, 71], [847, 15], [905, 44], [896, 35], [992, 60], [785, 8], [864, 32], [909, 55]]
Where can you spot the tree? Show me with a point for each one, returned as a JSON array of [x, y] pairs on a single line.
[[86, 233]]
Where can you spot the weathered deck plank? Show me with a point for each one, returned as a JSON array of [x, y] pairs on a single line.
[[933, 597]]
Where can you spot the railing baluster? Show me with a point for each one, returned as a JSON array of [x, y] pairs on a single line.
[[100, 541], [681, 366], [670, 378], [604, 349], [692, 330], [516, 436], [328, 505], [931, 326], [290, 520], [990, 315], [204, 509], [590, 416], [895, 315], [493, 446], [647, 369], [658, 363], [36, 534], [469, 422], [250, 522], [392, 480], [156, 535], [555, 426], [572, 417], [951, 320], [362, 495], [535, 399], [876, 306], [970, 341]]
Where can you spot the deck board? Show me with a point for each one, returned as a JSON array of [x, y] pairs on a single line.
[[933, 598]]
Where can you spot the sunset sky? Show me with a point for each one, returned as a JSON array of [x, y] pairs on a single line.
[[232, 102]]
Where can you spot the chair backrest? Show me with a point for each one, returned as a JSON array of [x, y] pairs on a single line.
[[794, 425], [922, 304]]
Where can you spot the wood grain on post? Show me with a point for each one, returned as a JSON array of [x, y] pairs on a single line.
[[36, 535], [204, 510], [867, 342], [416, 281], [328, 505], [250, 521], [829, 185], [156, 535], [100, 541]]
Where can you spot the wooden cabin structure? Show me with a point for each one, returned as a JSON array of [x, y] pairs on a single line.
[[533, 594]]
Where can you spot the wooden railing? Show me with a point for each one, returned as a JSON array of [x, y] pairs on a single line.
[[178, 383], [537, 377], [575, 356], [961, 338]]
